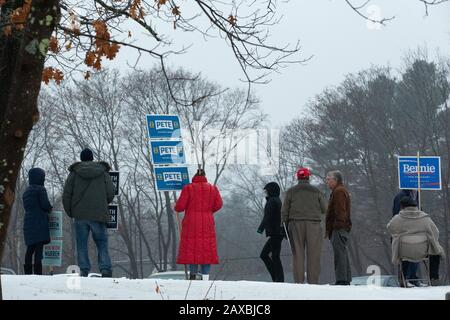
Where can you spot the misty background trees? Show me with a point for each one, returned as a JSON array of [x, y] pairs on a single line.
[[358, 126]]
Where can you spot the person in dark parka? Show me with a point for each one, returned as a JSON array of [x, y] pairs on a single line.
[[271, 223], [36, 222], [87, 192]]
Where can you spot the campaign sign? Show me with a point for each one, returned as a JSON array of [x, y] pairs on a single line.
[[52, 253], [163, 126], [167, 152], [171, 178], [55, 225], [430, 173], [115, 180], [112, 217]]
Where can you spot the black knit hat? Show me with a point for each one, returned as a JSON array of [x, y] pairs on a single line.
[[86, 155]]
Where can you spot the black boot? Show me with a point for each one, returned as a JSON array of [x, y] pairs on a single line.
[[38, 269], [106, 273], [28, 268]]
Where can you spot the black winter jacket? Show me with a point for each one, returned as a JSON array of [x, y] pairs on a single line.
[[37, 207], [271, 222]]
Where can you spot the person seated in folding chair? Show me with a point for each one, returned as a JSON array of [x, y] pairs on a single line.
[[414, 238]]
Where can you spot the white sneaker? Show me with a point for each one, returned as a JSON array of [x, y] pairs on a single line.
[[421, 284], [205, 277], [409, 284]]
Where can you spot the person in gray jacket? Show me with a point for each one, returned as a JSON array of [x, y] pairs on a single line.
[[411, 220], [87, 192], [303, 209]]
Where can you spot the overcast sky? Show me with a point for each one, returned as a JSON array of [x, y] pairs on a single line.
[[340, 41]]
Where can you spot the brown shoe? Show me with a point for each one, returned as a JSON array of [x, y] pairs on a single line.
[[192, 276]]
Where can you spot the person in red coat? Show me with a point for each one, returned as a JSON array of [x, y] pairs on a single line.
[[199, 200]]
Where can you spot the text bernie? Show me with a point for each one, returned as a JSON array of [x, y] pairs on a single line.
[[423, 169]]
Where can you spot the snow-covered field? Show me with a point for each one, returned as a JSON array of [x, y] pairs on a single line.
[[57, 287]]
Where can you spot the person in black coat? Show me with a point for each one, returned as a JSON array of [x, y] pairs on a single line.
[[36, 222], [271, 223]]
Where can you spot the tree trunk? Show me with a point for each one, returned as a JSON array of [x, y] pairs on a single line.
[[18, 105]]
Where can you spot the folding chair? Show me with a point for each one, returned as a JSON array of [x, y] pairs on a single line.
[[414, 248]]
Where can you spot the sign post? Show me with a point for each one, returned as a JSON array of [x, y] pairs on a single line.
[[418, 180]]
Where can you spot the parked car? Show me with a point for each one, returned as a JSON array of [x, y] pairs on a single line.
[[168, 275], [76, 274], [385, 281], [7, 271]]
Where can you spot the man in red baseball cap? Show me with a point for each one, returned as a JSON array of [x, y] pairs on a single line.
[[303, 173], [303, 209]]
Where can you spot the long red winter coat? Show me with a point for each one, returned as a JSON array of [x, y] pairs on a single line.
[[199, 200]]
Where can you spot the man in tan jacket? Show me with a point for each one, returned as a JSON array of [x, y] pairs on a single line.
[[338, 226], [303, 209]]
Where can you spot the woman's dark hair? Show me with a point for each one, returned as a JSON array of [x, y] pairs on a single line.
[[408, 201], [200, 172]]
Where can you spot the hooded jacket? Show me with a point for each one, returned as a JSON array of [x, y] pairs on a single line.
[[303, 202], [37, 207], [410, 221], [88, 191], [271, 221]]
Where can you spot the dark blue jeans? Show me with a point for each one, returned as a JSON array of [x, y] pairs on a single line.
[[205, 268], [410, 270], [82, 229]]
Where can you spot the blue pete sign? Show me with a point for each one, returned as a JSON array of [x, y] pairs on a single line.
[[163, 126], [167, 152], [171, 178], [430, 173]]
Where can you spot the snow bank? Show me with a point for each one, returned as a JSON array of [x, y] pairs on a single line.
[[65, 287]]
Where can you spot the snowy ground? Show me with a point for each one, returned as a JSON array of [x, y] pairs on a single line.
[[57, 287]]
